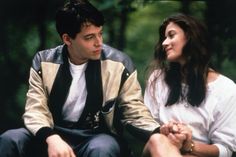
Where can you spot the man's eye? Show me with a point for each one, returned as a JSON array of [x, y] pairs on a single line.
[[88, 37]]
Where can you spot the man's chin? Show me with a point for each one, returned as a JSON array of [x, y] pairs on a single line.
[[95, 57]]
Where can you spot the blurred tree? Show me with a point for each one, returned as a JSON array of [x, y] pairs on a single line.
[[221, 23], [116, 15], [18, 19]]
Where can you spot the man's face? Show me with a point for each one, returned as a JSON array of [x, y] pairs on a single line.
[[86, 45]]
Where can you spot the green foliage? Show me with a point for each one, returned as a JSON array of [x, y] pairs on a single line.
[[197, 9], [52, 37], [28, 26], [31, 41], [228, 67], [20, 96]]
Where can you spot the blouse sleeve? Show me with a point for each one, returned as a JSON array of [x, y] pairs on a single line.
[[223, 131]]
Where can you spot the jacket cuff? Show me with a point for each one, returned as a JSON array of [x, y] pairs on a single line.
[[157, 130], [44, 132], [142, 134]]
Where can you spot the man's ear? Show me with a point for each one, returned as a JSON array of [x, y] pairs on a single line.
[[66, 39]]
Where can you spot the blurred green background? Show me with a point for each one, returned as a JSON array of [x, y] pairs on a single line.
[[131, 26]]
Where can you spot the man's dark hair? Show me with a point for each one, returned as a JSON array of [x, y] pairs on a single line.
[[74, 15]]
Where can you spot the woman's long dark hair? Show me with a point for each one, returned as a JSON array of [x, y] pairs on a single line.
[[196, 53]]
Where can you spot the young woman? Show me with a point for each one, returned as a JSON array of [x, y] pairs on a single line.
[[185, 92]]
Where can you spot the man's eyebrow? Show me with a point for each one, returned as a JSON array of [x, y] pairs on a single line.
[[90, 34]]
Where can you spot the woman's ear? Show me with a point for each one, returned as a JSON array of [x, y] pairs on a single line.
[[66, 39]]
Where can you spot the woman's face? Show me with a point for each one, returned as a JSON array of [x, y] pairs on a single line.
[[174, 42]]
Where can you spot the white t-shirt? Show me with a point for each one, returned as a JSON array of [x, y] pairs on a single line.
[[213, 122], [75, 101]]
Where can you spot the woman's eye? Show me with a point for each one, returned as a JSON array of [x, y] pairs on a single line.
[[171, 35]]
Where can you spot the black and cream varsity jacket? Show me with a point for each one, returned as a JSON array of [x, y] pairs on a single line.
[[118, 91]]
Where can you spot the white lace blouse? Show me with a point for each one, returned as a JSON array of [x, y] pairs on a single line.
[[214, 122]]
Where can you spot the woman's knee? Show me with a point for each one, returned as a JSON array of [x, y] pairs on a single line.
[[156, 140], [159, 145]]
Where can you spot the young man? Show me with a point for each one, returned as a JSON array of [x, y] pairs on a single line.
[[80, 95]]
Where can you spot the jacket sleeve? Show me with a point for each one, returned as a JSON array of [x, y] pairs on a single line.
[[136, 116], [37, 117]]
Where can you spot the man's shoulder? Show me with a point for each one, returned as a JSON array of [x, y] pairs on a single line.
[[52, 55], [112, 54]]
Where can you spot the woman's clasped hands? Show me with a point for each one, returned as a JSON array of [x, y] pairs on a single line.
[[179, 134]]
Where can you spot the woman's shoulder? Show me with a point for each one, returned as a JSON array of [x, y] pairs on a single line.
[[222, 84]]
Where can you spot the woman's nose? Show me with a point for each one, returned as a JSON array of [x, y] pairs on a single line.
[[165, 42]]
